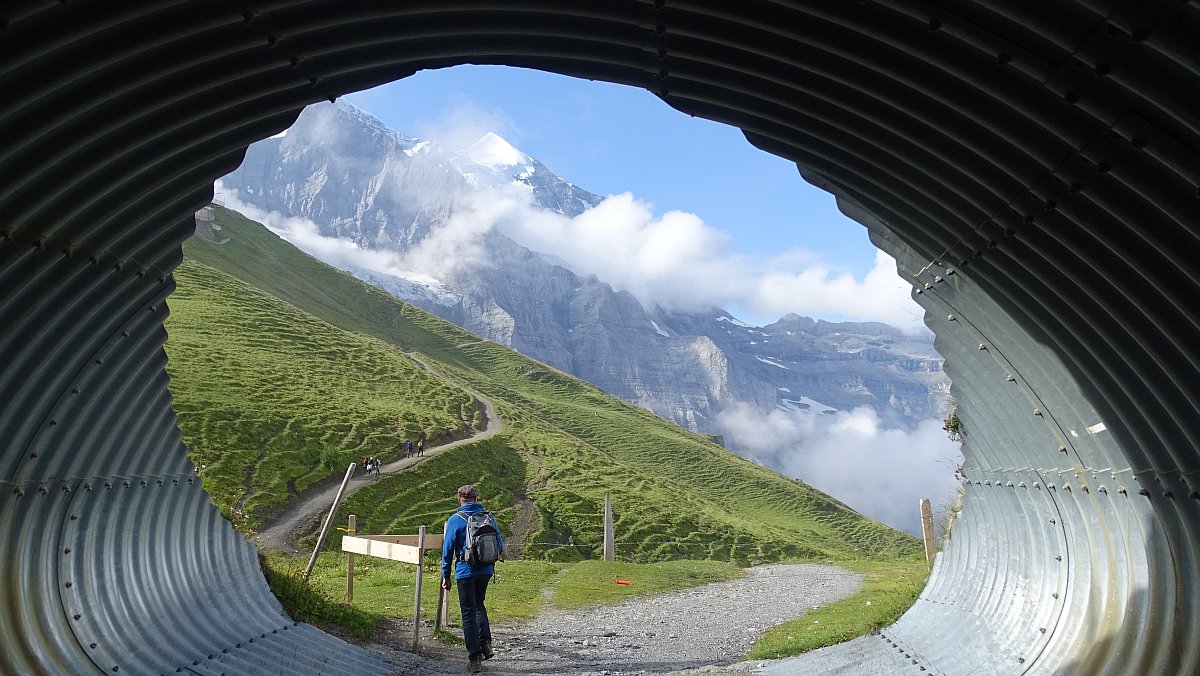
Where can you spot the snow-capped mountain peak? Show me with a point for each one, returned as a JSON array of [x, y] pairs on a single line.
[[494, 152]]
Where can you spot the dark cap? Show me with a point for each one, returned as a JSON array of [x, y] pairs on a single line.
[[468, 491]]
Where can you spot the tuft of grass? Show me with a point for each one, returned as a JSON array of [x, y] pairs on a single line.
[[310, 603], [889, 590], [595, 582], [384, 587], [518, 590]]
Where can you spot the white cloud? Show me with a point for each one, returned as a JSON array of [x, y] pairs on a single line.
[[879, 471], [678, 261], [456, 243]]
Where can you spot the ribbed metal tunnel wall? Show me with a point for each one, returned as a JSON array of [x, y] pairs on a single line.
[[1032, 165]]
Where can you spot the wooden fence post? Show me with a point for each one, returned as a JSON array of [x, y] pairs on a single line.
[[927, 530], [417, 599], [350, 530], [609, 544]]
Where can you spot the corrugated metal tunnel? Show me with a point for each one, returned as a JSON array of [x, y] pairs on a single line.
[[1034, 167]]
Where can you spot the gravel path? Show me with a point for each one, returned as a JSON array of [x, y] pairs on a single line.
[[699, 630]]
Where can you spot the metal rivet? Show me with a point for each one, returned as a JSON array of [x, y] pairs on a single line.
[[68, 585], [1055, 595], [982, 346], [77, 616]]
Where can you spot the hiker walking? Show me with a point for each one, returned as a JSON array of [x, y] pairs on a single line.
[[408, 447], [420, 447], [470, 549]]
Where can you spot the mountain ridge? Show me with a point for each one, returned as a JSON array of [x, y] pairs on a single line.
[[575, 322]]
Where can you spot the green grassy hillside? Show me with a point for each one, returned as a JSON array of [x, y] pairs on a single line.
[[276, 358], [272, 400]]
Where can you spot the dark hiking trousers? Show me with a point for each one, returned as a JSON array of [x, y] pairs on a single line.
[[476, 630]]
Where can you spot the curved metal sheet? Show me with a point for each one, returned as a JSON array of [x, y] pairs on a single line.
[[1033, 167]]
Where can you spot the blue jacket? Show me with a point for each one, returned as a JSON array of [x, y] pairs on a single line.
[[456, 540]]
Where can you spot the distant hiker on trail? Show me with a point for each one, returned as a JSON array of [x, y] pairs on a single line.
[[420, 447], [408, 447], [473, 538]]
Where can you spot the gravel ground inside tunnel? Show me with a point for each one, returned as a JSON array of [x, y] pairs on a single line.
[[700, 630]]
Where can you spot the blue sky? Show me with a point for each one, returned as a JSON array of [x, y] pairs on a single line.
[[611, 139]]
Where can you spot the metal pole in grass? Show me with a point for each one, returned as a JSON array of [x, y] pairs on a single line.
[[328, 520], [927, 530], [417, 595], [350, 530], [609, 544]]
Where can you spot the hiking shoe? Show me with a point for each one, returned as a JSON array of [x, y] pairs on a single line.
[[488, 653], [476, 666]]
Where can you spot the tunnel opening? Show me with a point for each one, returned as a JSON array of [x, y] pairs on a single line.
[[1034, 168]]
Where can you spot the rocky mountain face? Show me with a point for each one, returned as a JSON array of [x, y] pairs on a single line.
[[365, 184]]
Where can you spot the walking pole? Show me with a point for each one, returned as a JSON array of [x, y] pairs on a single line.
[[328, 520]]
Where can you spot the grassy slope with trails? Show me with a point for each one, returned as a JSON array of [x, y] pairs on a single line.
[[676, 494]]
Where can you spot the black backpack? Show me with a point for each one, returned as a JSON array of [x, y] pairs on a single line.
[[483, 539]]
